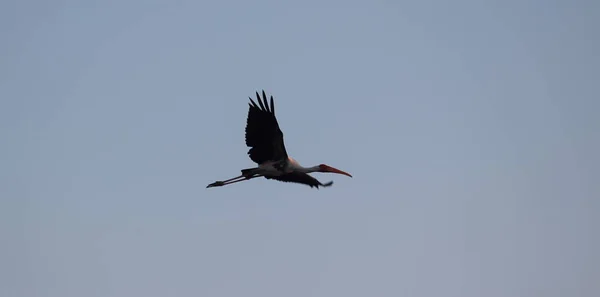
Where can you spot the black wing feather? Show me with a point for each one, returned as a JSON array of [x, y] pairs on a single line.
[[262, 132], [300, 178], [265, 101], [260, 102]]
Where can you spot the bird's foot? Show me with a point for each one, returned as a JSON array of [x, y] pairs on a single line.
[[327, 184], [216, 184]]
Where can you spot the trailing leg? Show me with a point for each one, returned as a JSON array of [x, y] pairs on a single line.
[[246, 175]]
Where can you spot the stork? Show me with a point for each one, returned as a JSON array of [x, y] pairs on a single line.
[[267, 149]]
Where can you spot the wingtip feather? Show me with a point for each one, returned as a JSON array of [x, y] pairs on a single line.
[[266, 102], [260, 102], [252, 104]]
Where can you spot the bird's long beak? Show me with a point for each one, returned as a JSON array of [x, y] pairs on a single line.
[[335, 170]]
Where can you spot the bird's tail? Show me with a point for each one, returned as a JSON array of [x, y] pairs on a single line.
[[249, 171]]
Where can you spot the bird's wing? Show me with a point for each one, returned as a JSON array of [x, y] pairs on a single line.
[[300, 178], [262, 132]]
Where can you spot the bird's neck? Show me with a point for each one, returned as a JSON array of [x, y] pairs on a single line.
[[309, 169], [296, 166]]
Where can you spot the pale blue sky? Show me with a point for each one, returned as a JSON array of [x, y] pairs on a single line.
[[471, 129]]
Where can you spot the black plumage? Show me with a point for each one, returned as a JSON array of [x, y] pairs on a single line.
[[262, 132], [301, 178]]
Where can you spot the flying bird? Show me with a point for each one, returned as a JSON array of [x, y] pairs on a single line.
[[267, 149]]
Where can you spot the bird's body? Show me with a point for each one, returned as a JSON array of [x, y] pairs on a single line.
[[277, 168], [267, 149]]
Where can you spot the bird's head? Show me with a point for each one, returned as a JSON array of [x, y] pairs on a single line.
[[326, 168]]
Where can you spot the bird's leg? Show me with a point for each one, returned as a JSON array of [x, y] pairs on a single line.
[[232, 180], [226, 182]]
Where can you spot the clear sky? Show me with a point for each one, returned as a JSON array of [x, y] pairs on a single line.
[[471, 129]]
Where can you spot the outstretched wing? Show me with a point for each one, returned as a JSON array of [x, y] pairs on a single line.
[[300, 178], [262, 132]]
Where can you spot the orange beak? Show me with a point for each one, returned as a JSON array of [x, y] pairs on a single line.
[[335, 170]]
